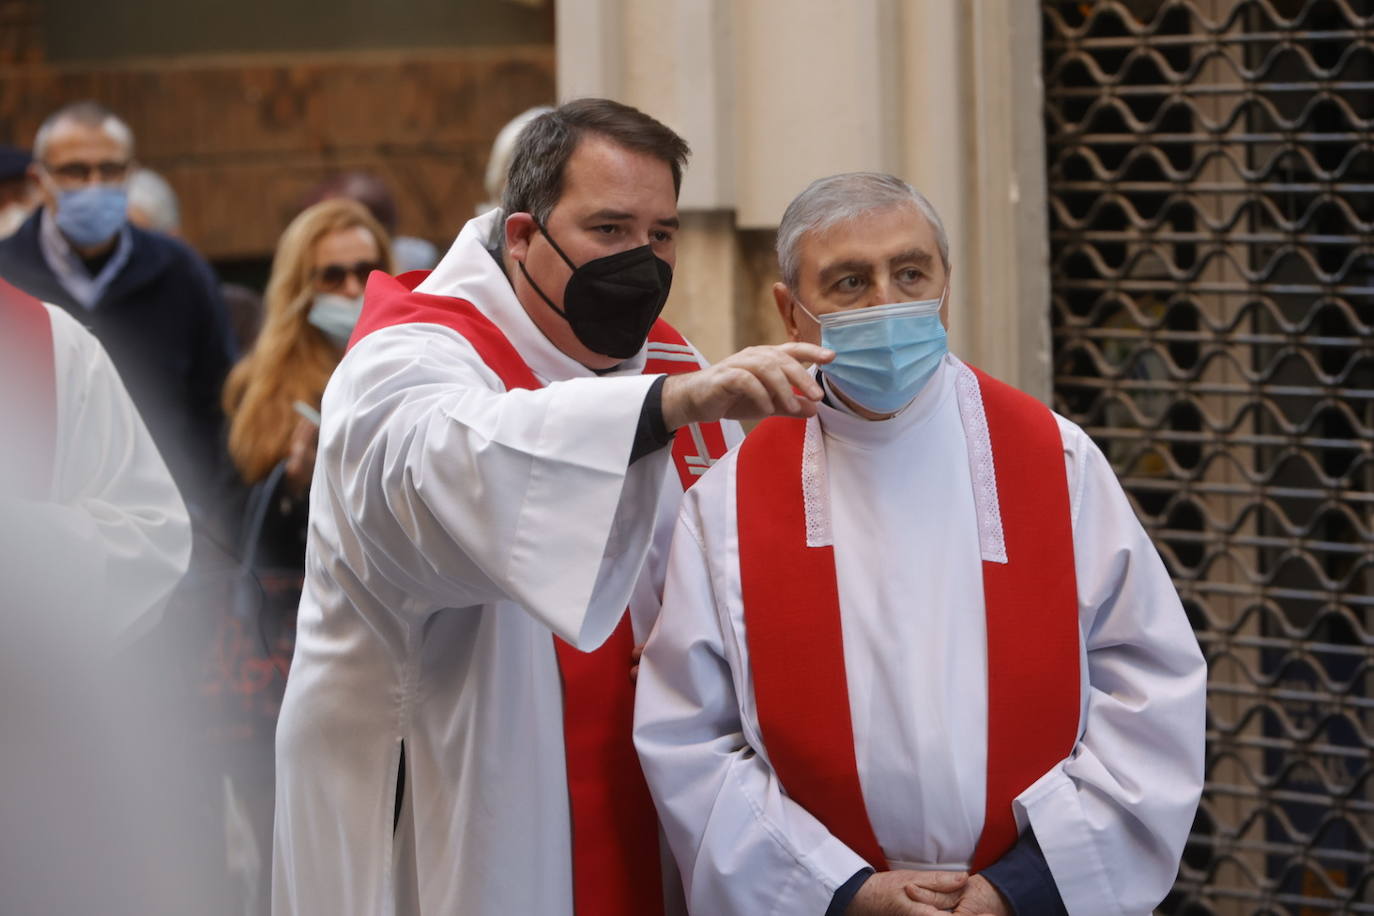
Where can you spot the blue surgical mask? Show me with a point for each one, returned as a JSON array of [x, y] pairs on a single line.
[[90, 216], [884, 354], [335, 316]]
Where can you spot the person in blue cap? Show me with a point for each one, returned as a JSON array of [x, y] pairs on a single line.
[[18, 196]]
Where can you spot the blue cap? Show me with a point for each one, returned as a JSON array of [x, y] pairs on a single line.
[[13, 162]]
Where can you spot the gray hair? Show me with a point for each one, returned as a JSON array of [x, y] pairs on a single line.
[[150, 193], [839, 198], [503, 148], [87, 114]]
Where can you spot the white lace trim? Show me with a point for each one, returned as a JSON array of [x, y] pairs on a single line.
[[815, 485], [992, 543]]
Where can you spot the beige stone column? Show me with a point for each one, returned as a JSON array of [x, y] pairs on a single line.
[[773, 94]]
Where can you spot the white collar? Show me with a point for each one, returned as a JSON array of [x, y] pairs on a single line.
[[952, 379], [468, 271]]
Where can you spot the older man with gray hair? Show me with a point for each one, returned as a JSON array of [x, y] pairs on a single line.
[[149, 299], [916, 654]]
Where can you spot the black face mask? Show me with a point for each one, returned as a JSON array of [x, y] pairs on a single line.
[[611, 303]]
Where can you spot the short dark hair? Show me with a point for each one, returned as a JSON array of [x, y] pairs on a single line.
[[535, 181]]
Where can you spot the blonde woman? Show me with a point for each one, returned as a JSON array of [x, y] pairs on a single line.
[[313, 299]]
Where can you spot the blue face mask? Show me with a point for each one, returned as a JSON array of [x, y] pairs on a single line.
[[884, 354], [90, 216]]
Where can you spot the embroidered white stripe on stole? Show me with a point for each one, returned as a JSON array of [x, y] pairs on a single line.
[[673, 353], [669, 356], [992, 543], [699, 463], [815, 487]]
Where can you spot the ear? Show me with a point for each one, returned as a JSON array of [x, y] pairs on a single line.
[[35, 177], [520, 229], [949, 294], [787, 309]]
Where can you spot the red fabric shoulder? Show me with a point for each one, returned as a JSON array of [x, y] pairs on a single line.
[[390, 301], [29, 377]]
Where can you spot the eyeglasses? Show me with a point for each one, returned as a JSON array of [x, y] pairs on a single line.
[[73, 173], [332, 276]]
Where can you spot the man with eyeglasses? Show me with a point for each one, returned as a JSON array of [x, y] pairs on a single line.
[[149, 299]]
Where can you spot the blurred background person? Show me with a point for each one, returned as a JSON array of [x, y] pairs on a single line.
[[498, 163], [153, 203], [272, 396], [407, 252], [154, 206], [18, 195], [149, 299], [313, 299]]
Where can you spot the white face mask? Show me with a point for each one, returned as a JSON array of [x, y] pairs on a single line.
[[335, 316]]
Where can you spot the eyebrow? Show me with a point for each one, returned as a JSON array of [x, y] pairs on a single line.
[[915, 256], [671, 222], [851, 266]]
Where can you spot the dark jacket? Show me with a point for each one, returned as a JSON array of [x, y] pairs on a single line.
[[166, 329]]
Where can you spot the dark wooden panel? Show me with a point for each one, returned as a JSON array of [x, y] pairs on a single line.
[[241, 138], [90, 30], [20, 42]]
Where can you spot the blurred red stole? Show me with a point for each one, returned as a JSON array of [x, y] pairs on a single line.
[[28, 401]]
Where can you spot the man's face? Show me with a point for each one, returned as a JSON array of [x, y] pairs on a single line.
[[879, 257], [79, 155], [614, 199]]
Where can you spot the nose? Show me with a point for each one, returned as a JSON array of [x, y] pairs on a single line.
[[352, 286], [885, 291]]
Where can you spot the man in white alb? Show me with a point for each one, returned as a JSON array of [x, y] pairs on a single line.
[[494, 486], [922, 632], [94, 538], [89, 515]]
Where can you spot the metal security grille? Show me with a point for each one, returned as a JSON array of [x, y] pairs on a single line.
[[1211, 187]]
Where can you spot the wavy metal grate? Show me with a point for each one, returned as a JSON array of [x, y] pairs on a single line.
[[1211, 187]]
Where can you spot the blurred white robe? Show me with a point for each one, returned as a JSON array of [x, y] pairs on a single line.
[[1111, 819], [91, 790], [453, 526], [110, 539]]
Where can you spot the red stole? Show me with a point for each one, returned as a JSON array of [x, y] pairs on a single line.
[[796, 648], [616, 867], [28, 401]]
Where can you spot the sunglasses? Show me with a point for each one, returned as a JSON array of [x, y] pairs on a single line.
[[80, 172], [332, 276]]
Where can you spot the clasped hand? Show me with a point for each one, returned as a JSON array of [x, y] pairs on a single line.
[[927, 893]]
